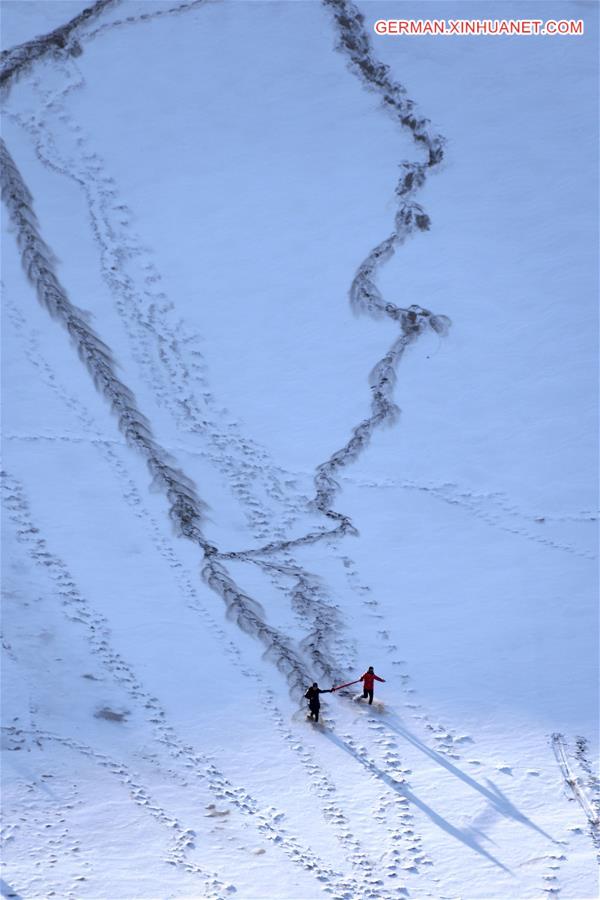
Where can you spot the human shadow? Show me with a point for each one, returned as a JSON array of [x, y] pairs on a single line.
[[7, 891], [465, 837], [499, 800]]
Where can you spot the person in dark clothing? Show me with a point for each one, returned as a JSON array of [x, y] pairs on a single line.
[[314, 703], [368, 680]]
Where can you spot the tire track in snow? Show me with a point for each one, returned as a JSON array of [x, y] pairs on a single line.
[[412, 323], [592, 780], [321, 783], [157, 336]]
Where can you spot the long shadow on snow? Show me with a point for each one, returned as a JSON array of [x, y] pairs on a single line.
[[491, 793], [463, 836], [7, 891]]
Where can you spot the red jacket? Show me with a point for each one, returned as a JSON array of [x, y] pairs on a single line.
[[368, 678]]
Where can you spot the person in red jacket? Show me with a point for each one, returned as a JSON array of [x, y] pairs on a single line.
[[368, 680]]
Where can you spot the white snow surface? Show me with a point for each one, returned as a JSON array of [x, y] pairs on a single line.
[[209, 177]]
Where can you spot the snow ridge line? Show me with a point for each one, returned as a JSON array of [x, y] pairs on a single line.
[[186, 509], [14, 61], [365, 296], [559, 746]]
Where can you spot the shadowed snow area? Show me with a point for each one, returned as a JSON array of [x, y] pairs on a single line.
[[310, 386]]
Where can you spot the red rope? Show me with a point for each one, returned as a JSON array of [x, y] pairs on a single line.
[[340, 686]]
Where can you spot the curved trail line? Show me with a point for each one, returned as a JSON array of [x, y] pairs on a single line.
[[413, 321], [144, 322], [189, 760], [318, 642], [66, 39], [186, 509], [62, 40], [365, 296]]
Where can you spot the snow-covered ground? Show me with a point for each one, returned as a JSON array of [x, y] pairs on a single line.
[[208, 178]]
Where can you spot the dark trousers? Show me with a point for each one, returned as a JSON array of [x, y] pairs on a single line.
[[314, 711], [369, 694]]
